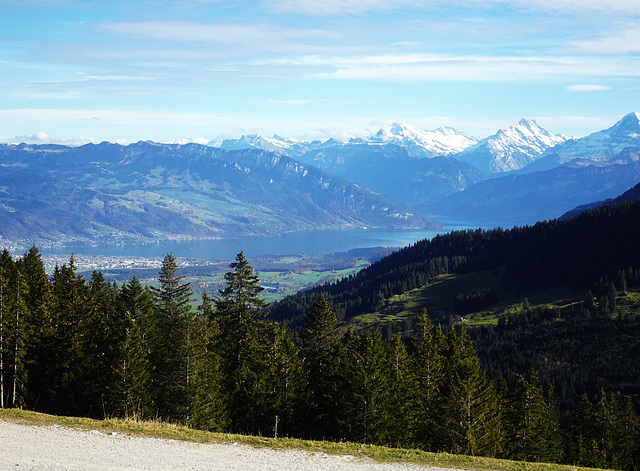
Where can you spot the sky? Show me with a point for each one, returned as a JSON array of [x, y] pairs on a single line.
[[73, 72]]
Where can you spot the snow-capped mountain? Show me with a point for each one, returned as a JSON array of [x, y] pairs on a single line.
[[603, 144], [418, 143], [441, 141], [277, 144], [511, 148]]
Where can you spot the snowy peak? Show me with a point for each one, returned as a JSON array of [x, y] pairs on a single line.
[[604, 144], [512, 148], [441, 141]]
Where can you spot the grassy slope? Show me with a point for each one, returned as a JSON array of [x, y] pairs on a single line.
[[438, 297], [376, 453]]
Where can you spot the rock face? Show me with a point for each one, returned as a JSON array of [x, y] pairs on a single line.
[[147, 191], [510, 149]]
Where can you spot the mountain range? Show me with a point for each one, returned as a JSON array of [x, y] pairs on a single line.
[[109, 193], [143, 192]]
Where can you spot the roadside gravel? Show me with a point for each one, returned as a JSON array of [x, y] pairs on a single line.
[[28, 447]]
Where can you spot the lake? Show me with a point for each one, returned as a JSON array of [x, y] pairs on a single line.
[[303, 242]]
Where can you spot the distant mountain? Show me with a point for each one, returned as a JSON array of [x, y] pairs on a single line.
[[519, 199], [604, 144], [109, 193], [633, 194], [441, 141], [418, 143], [510, 149], [390, 169]]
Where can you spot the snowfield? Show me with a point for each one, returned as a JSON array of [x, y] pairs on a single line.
[[27, 447]]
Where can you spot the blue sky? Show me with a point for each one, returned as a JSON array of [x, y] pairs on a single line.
[[123, 71]]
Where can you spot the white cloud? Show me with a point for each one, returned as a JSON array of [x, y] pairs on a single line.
[[359, 7], [587, 88], [212, 32], [622, 42], [463, 68]]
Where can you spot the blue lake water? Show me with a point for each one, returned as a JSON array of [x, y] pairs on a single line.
[[304, 242]]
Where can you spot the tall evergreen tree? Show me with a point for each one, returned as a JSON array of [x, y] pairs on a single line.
[[428, 367], [320, 343], [470, 409], [135, 393], [365, 380], [245, 353], [208, 405], [169, 342], [529, 423]]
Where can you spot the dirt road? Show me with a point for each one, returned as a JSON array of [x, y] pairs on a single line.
[[26, 447]]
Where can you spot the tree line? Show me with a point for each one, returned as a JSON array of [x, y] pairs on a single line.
[[92, 348]]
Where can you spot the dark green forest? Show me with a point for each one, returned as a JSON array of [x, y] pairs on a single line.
[[91, 347]]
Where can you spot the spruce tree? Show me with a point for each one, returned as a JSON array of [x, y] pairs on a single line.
[[428, 369], [320, 343], [135, 393], [245, 351], [169, 342], [207, 403]]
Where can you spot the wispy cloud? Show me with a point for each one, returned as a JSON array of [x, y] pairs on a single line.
[[213, 32], [587, 88], [620, 42], [360, 7]]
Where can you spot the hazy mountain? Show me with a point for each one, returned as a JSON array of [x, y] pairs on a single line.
[[517, 199], [633, 194], [148, 191], [510, 149], [390, 169]]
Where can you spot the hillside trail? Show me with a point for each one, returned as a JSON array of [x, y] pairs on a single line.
[[28, 447]]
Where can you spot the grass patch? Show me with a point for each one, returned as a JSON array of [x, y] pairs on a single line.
[[371, 452]]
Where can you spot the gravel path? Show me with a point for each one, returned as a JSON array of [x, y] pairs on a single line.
[[27, 447]]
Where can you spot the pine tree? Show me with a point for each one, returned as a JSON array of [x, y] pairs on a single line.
[[428, 368], [38, 325], [287, 383], [365, 379], [404, 384], [135, 393], [64, 394], [529, 423], [245, 351], [208, 405], [470, 407], [320, 343], [169, 342]]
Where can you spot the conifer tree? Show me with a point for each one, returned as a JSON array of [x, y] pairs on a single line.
[[529, 424], [64, 394], [365, 379], [38, 324], [208, 406], [288, 399], [169, 342], [402, 392], [428, 367], [320, 347], [470, 408], [136, 397], [245, 352]]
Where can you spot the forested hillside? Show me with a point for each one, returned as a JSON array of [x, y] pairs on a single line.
[[574, 252], [585, 342], [70, 346]]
